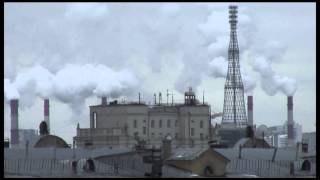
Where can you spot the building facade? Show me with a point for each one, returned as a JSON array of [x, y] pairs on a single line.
[[126, 124]]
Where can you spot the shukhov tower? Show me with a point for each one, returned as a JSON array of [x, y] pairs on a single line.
[[234, 112]]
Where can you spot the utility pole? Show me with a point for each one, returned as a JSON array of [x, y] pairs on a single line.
[[167, 96]]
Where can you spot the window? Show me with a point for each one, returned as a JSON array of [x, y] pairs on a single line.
[[201, 136], [152, 123], [176, 123], [135, 123], [168, 123], [160, 135], [152, 135], [160, 123], [94, 120], [176, 135], [192, 131], [136, 135], [305, 147], [144, 130], [306, 166], [201, 124]]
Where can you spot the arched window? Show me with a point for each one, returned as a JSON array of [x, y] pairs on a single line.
[[201, 124], [168, 123], [208, 171], [152, 123], [135, 123], [160, 123], [306, 166]]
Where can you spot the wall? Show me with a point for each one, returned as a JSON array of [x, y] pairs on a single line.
[[208, 158]]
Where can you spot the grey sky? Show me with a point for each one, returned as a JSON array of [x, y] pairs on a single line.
[[163, 46]]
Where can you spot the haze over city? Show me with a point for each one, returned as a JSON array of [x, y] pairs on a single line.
[[65, 52]]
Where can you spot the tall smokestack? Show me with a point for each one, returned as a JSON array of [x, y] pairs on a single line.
[[46, 113], [250, 112], [14, 105], [290, 121], [104, 101]]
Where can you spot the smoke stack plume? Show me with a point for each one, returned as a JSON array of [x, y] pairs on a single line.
[[104, 101], [290, 121], [250, 111], [14, 104], [46, 113]]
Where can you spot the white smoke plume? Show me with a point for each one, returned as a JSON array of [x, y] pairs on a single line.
[[271, 82], [249, 83], [216, 30], [218, 67], [116, 34], [273, 51], [71, 85], [10, 90]]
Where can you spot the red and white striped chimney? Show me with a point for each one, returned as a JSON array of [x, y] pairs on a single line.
[[290, 121], [14, 105], [250, 112], [46, 113]]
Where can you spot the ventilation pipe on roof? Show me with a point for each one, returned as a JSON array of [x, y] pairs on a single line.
[[14, 105]]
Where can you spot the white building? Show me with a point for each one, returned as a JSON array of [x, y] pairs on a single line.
[[123, 125]]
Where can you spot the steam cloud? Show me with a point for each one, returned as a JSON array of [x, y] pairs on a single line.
[[272, 51], [123, 34], [216, 30], [72, 84], [272, 82], [119, 35]]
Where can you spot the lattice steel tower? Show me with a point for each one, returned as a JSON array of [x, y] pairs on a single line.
[[234, 112]]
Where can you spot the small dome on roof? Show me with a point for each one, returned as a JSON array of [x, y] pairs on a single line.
[[51, 141]]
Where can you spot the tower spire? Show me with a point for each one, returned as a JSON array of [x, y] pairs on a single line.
[[234, 113]]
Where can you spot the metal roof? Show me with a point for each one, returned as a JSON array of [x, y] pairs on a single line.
[[186, 153], [191, 153], [62, 153], [258, 153]]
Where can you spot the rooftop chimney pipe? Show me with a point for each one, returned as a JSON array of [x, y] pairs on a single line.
[[290, 121], [14, 105], [104, 101], [46, 113], [250, 111]]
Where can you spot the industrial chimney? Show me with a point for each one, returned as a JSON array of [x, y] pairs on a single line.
[[250, 112], [46, 113], [14, 104], [290, 121], [104, 101]]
